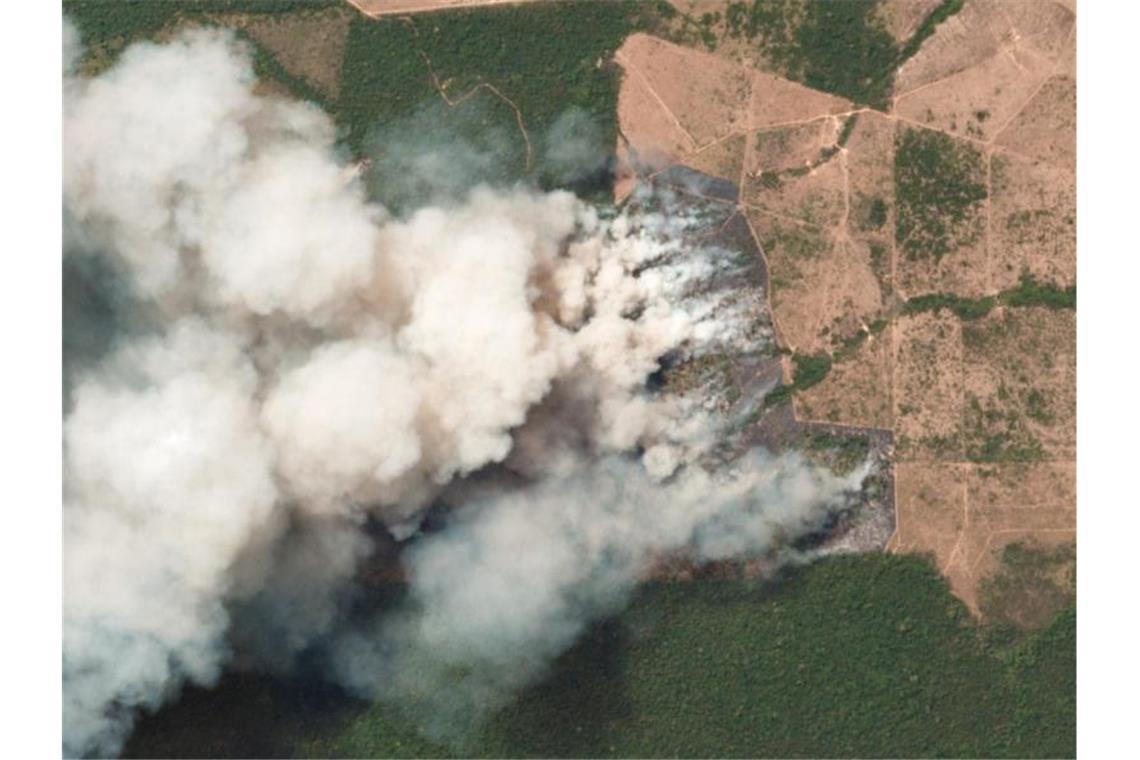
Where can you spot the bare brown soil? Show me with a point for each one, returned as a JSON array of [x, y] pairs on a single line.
[[308, 45], [856, 391], [1033, 214], [983, 411]]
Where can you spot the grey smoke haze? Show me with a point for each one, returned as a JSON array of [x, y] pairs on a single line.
[[518, 574], [289, 359]]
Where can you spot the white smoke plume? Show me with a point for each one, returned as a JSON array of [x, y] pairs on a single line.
[[517, 575], [299, 361]]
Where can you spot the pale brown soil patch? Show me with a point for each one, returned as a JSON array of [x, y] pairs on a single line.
[[1033, 504], [779, 101], [1047, 127], [983, 30], [651, 130], [798, 256], [928, 387], [1044, 26], [1033, 212], [975, 102], [721, 159], [964, 515], [930, 504], [816, 197], [965, 39], [707, 95], [822, 286], [309, 45], [857, 391]]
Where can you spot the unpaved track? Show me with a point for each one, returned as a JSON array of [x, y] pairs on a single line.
[[377, 8]]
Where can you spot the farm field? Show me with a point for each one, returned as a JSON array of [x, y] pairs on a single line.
[[918, 230]]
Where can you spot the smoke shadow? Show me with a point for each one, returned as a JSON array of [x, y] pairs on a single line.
[[569, 713], [244, 715]]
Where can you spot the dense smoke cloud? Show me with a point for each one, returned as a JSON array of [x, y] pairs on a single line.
[[290, 360]]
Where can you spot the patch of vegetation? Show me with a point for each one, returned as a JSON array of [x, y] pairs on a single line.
[[939, 186], [944, 11], [810, 369], [693, 30], [857, 656], [1030, 292], [870, 212], [848, 128], [967, 309], [1031, 588], [841, 453], [1043, 675], [842, 48], [1027, 293], [548, 60], [838, 47], [997, 432], [789, 243], [1037, 407]]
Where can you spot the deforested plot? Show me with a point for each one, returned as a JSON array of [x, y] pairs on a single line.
[[1033, 222], [857, 390], [1046, 127], [930, 500], [977, 101], [308, 44], [1020, 385], [708, 96], [928, 394]]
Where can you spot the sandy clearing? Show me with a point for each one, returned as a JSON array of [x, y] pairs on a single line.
[[816, 197], [975, 102], [961, 41], [1046, 127], [930, 503], [308, 45], [927, 385], [780, 101], [1032, 222], [707, 94], [721, 159], [778, 149], [655, 138], [857, 391]]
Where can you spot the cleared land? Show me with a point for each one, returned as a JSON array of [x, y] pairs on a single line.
[[918, 225]]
